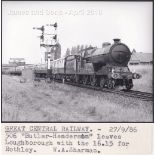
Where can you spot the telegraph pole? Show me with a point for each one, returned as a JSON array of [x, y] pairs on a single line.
[[53, 37]]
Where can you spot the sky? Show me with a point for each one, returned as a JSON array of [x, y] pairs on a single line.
[[79, 23]]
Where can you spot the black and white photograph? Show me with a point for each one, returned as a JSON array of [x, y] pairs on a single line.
[[65, 61]]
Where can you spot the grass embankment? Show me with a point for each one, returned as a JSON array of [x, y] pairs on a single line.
[[61, 102]]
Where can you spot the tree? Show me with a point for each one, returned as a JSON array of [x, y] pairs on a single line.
[[68, 52], [75, 50], [82, 47], [72, 50], [86, 46], [78, 49]]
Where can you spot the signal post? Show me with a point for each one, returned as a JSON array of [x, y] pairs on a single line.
[[47, 46]]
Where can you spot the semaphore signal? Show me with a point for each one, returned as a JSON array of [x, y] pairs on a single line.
[[52, 39]]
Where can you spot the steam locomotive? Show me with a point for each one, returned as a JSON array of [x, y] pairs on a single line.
[[104, 67]]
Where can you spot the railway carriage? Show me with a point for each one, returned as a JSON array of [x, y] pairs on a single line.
[[57, 68]]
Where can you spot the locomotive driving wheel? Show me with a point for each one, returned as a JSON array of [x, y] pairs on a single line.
[[85, 79], [111, 84], [93, 80], [128, 84]]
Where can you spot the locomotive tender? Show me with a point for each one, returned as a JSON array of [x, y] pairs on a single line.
[[104, 67]]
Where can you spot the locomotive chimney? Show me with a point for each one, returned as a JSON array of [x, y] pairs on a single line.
[[117, 40]]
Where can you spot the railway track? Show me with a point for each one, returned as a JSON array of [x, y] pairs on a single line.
[[145, 96], [142, 95]]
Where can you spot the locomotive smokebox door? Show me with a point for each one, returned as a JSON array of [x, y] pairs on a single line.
[[119, 53]]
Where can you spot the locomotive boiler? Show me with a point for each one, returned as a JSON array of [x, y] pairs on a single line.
[[117, 54]]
